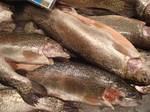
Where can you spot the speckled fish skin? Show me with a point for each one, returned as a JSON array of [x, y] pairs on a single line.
[[134, 30], [94, 41], [146, 55], [130, 8], [123, 7], [10, 101], [29, 49], [73, 81]]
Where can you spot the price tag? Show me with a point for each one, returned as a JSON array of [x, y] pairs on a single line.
[[48, 4]]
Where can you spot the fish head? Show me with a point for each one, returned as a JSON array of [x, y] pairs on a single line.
[[54, 50], [122, 96], [139, 71], [143, 74]]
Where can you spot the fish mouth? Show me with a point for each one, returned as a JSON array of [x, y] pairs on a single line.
[[128, 102], [143, 89]]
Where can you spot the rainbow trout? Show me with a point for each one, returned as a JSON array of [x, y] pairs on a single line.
[[94, 41], [134, 30], [25, 49], [74, 81], [130, 8], [123, 7]]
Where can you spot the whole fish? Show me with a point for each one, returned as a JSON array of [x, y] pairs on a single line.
[[123, 7], [130, 8], [135, 30], [5, 13], [25, 49], [92, 40], [74, 81]]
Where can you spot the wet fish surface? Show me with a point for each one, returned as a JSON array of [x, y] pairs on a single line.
[[10, 101], [134, 30], [94, 12], [25, 49], [130, 8], [74, 81], [123, 7], [94, 41], [30, 48]]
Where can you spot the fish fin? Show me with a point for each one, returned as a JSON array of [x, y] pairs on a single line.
[[27, 67], [39, 89], [24, 56], [33, 96], [35, 58], [107, 103], [30, 98]]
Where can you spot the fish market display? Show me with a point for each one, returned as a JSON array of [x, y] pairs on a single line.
[[73, 81], [77, 56], [135, 30], [94, 41]]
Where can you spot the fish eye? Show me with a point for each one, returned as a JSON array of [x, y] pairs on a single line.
[[131, 94], [145, 79]]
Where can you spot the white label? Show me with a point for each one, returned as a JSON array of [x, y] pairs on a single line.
[[44, 3]]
